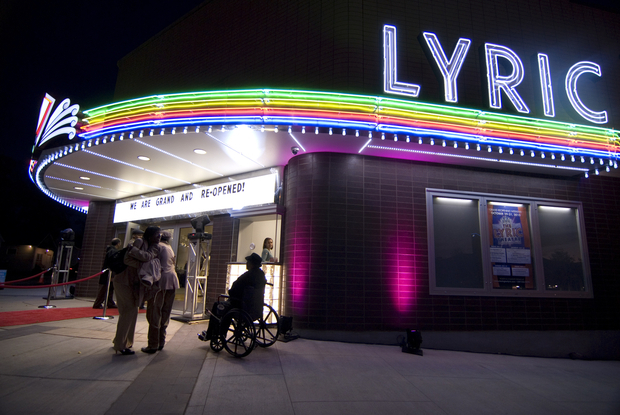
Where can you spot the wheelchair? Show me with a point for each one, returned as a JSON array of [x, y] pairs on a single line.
[[241, 330]]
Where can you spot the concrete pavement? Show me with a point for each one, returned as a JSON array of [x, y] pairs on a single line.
[[68, 367]]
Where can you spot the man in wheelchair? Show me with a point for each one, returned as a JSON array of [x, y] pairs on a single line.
[[254, 277]]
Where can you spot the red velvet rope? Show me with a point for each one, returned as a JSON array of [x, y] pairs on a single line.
[[29, 287], [2, 284]]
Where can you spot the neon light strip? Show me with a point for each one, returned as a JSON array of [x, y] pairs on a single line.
[[477, 158], [177, 157], [308, 117], [509, 142], [297, 141], [578, 69], [74, 182], [449, 68], [134, 166], [41, 185], [235, 150], [44, 113], [82, 194], [505, 83], [260, 102], [231, 99], [390, 78], [106, 176], [551, 144], [545, 85], [365, 145], [84, 184]]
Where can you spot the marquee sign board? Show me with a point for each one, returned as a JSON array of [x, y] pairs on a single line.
[[231, 195]]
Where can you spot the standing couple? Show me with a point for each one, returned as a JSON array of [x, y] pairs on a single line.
[[130, 292]]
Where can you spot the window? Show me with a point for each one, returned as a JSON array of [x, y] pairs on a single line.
[[562, 256], [458, 263], [497, 245]]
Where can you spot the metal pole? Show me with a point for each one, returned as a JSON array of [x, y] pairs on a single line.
[[49, 294], [105, 302]]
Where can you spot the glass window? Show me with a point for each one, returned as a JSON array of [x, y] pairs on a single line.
[[458, 262], [561, 250], [499, 245]]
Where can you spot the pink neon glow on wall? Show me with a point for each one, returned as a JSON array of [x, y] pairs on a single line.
[[400, 269], [298, 270]]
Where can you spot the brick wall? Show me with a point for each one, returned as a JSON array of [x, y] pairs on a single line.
[[337, 45], [223, 250], [98, 232], [350, 218]]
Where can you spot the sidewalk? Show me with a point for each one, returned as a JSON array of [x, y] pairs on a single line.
[[68, 367]]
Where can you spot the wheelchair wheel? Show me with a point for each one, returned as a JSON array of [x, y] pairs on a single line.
[[238, 333], [217, 344], [268, 327]]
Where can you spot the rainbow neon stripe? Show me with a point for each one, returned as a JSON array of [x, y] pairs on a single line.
[[348, 111]]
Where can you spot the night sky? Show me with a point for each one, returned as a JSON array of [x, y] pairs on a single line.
[[69, 49]]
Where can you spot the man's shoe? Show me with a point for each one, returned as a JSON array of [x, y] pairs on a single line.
[[148, 350], [97, 307], [112, 306], [204, 336]]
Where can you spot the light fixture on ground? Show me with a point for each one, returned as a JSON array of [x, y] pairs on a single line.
[[413, 340]]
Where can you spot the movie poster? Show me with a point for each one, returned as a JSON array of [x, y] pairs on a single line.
[[511, 259]]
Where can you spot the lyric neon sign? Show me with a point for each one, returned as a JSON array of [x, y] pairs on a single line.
[[498, 83]]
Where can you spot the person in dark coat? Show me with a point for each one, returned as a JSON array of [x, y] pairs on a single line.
[[254, 277], [105, 278]]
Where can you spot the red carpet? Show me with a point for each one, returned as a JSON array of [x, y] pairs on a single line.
[[17, 318]]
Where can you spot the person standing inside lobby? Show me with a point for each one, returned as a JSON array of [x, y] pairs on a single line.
[[104, 279], [266, 255]]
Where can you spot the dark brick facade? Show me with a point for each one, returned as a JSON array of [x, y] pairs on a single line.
[[337, 45], [98, 233], [350, 218], [223, 251]]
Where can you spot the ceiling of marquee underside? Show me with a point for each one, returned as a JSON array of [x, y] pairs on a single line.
[[115, 172]]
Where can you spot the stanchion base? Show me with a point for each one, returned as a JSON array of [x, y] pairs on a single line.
[[103, 317], [47, 306]]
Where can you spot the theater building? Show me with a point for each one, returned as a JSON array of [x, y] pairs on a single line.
[[450, 167]]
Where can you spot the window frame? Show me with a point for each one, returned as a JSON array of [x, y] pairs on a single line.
[[536, 248]]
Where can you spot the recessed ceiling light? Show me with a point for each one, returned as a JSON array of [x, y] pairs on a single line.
[[143, 158], [200, 151], [78, 188], [84, 178]]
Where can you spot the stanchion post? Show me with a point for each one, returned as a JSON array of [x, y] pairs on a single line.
[[49, 293], [105, 302]]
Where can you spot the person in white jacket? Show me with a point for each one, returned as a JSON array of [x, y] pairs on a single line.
[[159, 305]]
